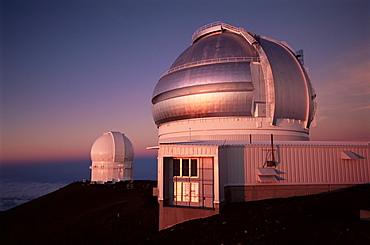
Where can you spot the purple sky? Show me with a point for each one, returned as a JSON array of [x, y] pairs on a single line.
[[74, 69]]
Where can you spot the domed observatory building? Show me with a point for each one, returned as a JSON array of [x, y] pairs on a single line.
[[112, 155], [234, 85], [233, 114]]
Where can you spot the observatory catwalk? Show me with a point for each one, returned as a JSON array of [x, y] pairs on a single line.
[[233, 114]]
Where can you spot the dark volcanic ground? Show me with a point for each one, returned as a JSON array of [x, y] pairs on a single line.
[[111, 214]]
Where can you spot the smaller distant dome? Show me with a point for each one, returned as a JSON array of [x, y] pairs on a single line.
[[112, 147]]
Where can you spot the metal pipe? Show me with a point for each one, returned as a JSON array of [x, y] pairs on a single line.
[[272, 149]]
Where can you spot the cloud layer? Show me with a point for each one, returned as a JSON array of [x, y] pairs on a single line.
[[14, 193]]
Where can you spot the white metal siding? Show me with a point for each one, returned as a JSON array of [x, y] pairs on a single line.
[[310, 164], [235, 170]]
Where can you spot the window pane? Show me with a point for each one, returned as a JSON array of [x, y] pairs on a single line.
[[186, 191], [194, 192], [176, 167], [178, 191], [185, 167], [194, 167]]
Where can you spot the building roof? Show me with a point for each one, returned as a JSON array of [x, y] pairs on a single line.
[[285, 143]]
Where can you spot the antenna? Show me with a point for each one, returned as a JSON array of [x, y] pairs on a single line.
[[272, 149], [189, 134]]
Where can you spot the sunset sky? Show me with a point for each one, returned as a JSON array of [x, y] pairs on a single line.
[[74, 69]]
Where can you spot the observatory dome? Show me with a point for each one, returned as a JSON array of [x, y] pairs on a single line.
[[112, 147], [231, 84], [112, 155]]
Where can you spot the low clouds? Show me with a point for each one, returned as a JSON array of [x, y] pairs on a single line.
[[361, 108], [345, 86], [14, 193], [20, 184]]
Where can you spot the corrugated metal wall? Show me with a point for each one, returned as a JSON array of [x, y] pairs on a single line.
[[309, 164], [308, 168]]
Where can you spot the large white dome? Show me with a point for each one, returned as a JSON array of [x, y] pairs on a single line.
[[112, 147], [112, 155], [230, 84]]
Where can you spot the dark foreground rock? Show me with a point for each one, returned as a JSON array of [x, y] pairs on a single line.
[[83, 214], [113, 214]]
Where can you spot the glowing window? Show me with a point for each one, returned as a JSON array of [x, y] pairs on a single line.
[[186, 191]]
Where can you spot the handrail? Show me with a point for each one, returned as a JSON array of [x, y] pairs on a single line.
[[202, 28], [241, 31], [238, 30], [211, 61], [230, 27]]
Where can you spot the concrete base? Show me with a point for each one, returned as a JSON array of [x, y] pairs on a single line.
[[169, 215], [260, 192]]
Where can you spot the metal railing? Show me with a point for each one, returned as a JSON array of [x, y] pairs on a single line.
[[200, 29], [211, 61], [238, 30]]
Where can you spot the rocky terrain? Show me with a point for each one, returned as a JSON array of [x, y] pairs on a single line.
[[114, 214]]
